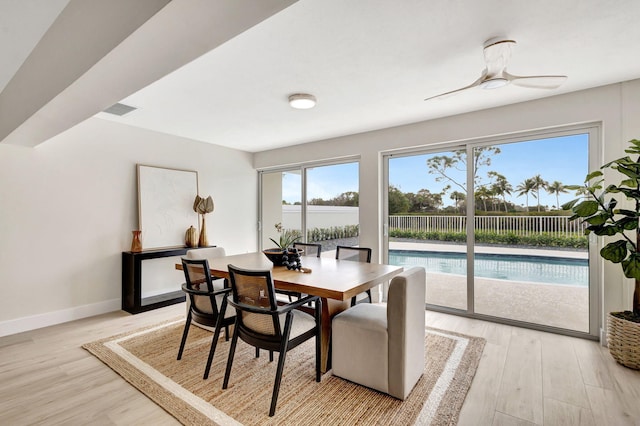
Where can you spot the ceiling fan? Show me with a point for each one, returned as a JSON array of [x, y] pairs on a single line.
[[496, 55]]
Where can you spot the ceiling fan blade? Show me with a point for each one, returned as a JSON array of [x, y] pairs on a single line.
[[537, 81], [472, 85]]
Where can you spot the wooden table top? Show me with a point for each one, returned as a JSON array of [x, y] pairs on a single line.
[[329, 278]]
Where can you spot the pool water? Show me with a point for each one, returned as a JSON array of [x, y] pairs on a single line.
[[539, 269]]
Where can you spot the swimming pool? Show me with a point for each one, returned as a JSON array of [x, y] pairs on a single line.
[[540, 269]]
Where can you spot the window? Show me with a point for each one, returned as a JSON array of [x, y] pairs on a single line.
[[330, 212]]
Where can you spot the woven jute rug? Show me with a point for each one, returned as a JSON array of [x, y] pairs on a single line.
[[146, 358]]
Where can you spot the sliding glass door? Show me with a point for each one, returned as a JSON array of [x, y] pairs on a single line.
[[427, 223], [329, 214], [491, 232], [531, 263]]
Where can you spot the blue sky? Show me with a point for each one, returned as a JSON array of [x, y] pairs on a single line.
[[564, 159]]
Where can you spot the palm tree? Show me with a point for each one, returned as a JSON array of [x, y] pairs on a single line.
[[484, 193], [525, 187], [539, 183], [457, 197], [501, 186], [556, 188]]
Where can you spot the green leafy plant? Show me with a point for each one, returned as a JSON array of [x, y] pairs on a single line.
[[287, 237], [599, 210]]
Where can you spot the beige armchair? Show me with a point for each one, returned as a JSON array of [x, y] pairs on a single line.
[[383, 347]]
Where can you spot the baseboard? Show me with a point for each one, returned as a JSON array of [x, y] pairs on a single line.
[[19, 325], [603, 337]]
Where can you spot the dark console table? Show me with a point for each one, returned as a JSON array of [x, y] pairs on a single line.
[[132, 300]]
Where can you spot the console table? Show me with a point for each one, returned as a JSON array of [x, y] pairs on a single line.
[[132, 300]]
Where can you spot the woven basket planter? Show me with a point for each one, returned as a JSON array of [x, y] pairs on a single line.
[[623, 338]]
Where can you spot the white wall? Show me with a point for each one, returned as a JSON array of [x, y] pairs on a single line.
[[67, 208], [617, 107], [319, 216]]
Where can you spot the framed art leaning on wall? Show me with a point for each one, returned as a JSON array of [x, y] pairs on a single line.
[[165, 205]]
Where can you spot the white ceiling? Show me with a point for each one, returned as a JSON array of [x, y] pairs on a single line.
[[371, 63]]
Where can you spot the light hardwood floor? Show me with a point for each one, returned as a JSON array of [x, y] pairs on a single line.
[[525, 377]]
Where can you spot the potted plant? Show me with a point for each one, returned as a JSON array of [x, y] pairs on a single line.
[[286, 240], [598, 209]]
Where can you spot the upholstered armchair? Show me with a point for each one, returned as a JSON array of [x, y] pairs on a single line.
[[383, 347]]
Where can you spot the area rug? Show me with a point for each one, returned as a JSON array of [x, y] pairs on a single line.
[[146, 358]]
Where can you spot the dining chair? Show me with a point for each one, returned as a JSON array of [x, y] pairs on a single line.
[[383, 347], [264, 324], [208, 253], [357, 254], [310, 249], [207, 304]]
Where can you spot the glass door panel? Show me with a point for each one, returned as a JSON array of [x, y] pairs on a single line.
[[427, 222], [332, 206], [281, 203], [530, 263]]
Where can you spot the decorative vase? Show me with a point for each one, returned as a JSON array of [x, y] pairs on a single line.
[[203, 241], [274, 255], [136, 243], [191, 237]]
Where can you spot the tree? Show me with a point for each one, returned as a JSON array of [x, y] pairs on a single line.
[[539, 183], [483, 193], [317, 202], [423, 200], [525, 187], [501, 186], [457, 197], [349, 198], [556, 188], [398, 202], [443, 165]]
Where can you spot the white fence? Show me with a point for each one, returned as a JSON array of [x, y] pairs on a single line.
[[519, 225]]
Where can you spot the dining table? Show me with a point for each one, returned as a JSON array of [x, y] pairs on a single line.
[[335, 281]]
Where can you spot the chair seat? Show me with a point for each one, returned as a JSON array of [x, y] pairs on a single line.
[[302, 322], [203, 303]]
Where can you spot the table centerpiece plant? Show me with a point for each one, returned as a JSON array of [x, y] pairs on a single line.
[[284, 244], [599, 210]]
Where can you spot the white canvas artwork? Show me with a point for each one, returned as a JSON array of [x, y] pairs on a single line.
[[165, 205]]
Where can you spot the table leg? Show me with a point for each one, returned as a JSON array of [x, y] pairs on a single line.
[[330, 308]]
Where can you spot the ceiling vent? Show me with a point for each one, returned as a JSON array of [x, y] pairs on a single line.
[[120, 109]]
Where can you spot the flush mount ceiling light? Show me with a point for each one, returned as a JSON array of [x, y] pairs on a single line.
[[302, 101], [494, 83]]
